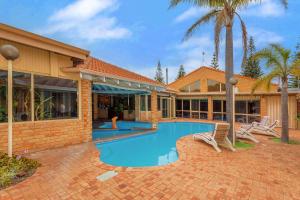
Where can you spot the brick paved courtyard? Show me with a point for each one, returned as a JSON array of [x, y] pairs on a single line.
[[267, 171]]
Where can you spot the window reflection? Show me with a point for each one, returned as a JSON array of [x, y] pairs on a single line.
[[55, 98], [3, 95], [21, 96]]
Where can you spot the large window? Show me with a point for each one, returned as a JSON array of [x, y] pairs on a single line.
[[21, 96], [194, 87], [247, 111], [128, 102], [178, 108], [192, 108], [215, 86], [143, 103], [55, 98], [158, 103], [219, 110], [3, 95]]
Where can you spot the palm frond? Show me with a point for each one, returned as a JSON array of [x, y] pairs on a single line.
[[206, 18], [201, 3], [284, 54], [265, 80], [218, 28], [267, 55], [245, 39], [243, 3], [285, 3], [295, 68]]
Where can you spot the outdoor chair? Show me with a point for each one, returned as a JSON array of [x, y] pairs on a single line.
[[264, 122], [268, 130], [217, 137], [245, 133]]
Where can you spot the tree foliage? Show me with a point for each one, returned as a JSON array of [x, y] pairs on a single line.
[[281, 65], [159, 74], [214, 62], [294, 81], [181, 72], [251, 67]]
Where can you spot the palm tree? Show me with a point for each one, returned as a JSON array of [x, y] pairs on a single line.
[[281, 64], [224, 13]]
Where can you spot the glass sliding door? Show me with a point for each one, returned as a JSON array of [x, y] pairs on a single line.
[[165, 107]]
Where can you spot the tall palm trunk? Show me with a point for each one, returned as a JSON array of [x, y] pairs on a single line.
[[284, 112], [228, 75]]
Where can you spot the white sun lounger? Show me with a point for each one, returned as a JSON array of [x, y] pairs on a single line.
[[264, 122], [266, 130], [245, 133], [217, 137]]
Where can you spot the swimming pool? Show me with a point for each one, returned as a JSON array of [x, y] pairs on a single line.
[[124, 127], [153, 149]]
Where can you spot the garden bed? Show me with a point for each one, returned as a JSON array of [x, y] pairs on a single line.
[[15, 169]]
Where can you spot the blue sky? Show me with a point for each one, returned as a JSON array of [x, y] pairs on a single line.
[[135, 34]]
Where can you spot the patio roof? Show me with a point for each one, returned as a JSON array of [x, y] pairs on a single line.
[[108, 89]]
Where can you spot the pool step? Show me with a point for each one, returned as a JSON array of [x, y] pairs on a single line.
[[146, 131], [106, 176]]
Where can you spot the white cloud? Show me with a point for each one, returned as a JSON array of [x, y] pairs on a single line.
[[190, 55], [264, 37], [190, 13], [267, 8], [88, 20]]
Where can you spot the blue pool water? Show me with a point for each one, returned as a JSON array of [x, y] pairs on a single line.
[[154, 149], [124, 127]]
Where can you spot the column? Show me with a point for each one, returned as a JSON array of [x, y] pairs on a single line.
[[95, 109], [154, 118], [146, 106], [86, 109], [210, 108], [137, 107]]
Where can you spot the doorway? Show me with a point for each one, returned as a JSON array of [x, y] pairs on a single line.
[[166, 102]]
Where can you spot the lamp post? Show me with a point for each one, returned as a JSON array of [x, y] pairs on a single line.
[[233, 81], [10, 53]]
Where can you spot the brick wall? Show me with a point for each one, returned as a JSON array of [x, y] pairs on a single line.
[[40, 135], [154, 117]]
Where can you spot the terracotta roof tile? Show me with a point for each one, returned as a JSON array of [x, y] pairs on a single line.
[[101, 67], [212, 69]]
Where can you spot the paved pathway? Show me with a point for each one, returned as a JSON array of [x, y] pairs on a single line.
[[268, 171]]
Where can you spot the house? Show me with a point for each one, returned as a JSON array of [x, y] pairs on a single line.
[[201, 95], [59, 91]]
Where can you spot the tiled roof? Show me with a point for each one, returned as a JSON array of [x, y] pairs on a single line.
[[96, 66], [212, 69]]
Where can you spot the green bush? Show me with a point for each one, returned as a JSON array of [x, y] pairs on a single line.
[[15, 169]]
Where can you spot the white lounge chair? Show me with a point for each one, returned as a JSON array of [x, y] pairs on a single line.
[[217, 137], [263, 122], [266, 130], [245, 133]]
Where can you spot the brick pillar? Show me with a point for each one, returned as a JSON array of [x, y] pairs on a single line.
[[86, 109], [173, 102], [95, 109], [263, 106], [137, 107], [210, 108], [154, 118]]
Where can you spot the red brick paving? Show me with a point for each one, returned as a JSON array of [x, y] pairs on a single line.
[[267, 171]]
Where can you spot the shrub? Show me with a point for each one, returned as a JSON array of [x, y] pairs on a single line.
[[15, 169]]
